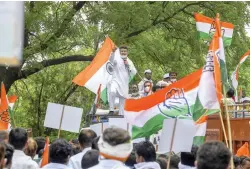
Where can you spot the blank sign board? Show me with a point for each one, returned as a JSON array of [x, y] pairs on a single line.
[[183, 137], [11, 32], [71, 117]]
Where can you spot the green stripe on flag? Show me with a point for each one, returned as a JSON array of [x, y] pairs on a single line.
[[198, 110], [205, 36], [103, 95], [198, 140]]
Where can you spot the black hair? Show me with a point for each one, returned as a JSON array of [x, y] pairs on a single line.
[[40, 153], [230, 93], [60, 150], [76, 150], [162, 162], [188, 158], [115, 136], [174, 161], [213, 155], [3, 135], [40, 143], [155, 88], [243, 160], [75, 141], [18, 138], [95, 143], [123, 47], [9, 150], [90, 159], [86, 137], [131, 160], [146, 150], [237, 161]]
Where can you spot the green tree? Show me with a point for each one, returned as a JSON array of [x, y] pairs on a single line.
[[62, 37]]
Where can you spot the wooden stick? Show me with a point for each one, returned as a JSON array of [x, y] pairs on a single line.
[[171, 145], [229, 127], [223, 128], [59, 130]]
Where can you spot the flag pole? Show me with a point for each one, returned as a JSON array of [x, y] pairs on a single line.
[[171, 144], [228, 126], [223, 128], [60, 125]]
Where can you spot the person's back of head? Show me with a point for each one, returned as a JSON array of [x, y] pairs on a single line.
[[2, 155], [188, 158], [174, 161], [18, 138], [131, 160], [9, 150], [230, 93], [213, 155], [40, 143], [145, 152], [162, 162], [31, 148], [90, 159], [60, 151], [115, 143], [4, 136], [95, 143], [244, 162], [86, 137], [237, 162]]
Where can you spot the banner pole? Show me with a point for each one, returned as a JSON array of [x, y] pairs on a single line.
[[171, 144], [60, 125]]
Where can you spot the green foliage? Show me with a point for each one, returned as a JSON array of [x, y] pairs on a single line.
[[161, 36]]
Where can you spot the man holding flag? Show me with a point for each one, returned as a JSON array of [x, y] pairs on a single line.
[[118, 86]]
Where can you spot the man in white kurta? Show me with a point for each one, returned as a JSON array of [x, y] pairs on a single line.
[[118, 87]]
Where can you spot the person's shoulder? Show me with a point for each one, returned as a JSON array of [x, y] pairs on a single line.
[[77, 156]]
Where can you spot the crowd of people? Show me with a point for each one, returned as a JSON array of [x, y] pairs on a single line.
[[112, 150], [146, 86]]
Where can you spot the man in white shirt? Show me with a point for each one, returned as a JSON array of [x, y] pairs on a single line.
[[118, 86], [60, 151], [18, 139], [85, 139], [115, 147], [145, 156], [148, 77]]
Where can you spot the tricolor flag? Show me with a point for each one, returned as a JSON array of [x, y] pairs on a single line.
[[235, 74], [45, 157], [146, 115], [206, 28], [99, 71], [209, 92], [6, 106]]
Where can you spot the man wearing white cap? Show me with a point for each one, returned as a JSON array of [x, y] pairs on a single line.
[[148, 77], [115, 146], [165, 82]]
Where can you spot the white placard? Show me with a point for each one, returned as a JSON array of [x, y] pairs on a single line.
[[183, 137], [97, 128], [71, 117], [105, 126], [11, 32], [119, 122]]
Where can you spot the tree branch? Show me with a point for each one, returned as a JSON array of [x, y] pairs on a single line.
[[51, 62], [61, 29], [164, 20]]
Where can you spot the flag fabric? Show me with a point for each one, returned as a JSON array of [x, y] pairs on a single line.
[[99, 71], [243, 150], [6, 106], [206, 28], [45, 157], [146, 115], [235, 74]]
